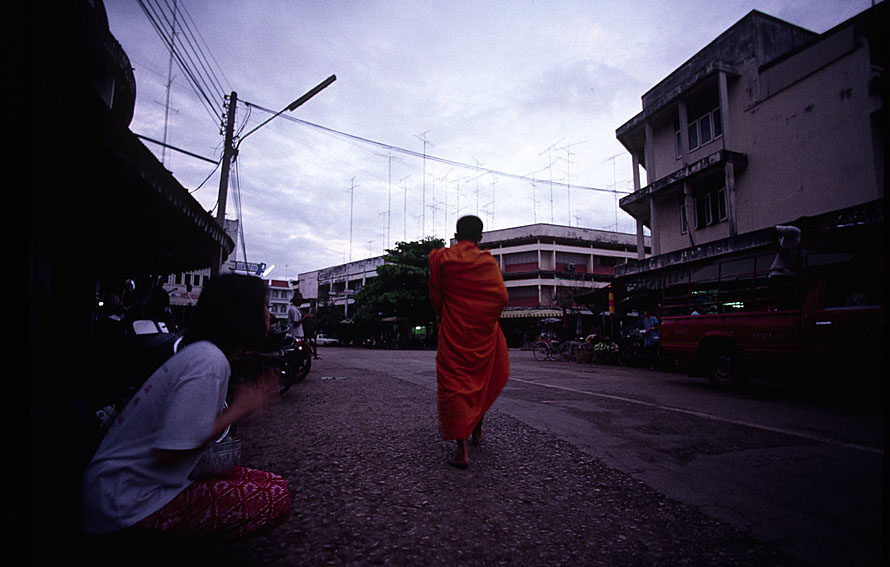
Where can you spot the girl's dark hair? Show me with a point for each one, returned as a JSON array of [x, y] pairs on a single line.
[[230, 313]]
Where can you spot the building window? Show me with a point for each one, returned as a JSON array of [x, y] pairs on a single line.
[[693, 135], [702, 130], [684, 226], [710, 208], [704, 126]]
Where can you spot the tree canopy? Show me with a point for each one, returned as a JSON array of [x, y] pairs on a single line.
[[401, 288]]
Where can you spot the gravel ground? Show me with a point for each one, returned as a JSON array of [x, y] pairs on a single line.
[[366, 467]]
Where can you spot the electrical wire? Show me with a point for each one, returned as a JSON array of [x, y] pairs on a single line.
[[445, 161], [237, 193], [158, 19], [196, 34], [188, 55], [195, 190]]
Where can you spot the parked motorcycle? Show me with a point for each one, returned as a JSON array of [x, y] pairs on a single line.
[[288, 356], [633, 350]]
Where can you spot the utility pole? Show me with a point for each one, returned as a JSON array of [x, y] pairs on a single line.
[[389, 203], [169, 82], [569, 175], [423, 203], [493, 181], [569, 182], [550, 167], [445, 222], [351, 198], [404, 181], [228, 151], [457, 207], [614, 186], [389, 158], [477, 186]]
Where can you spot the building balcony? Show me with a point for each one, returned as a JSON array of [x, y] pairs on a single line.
[[637, 203]]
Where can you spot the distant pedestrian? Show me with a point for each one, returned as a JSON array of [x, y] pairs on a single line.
[[472, 363], [311, 334], [295, 316]]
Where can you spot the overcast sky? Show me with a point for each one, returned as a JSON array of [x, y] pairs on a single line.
[[515, 104]]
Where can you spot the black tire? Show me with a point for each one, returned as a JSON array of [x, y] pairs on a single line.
[[625, 355], [541, 351], [596, 356], [286, 376], [302, 368], [723, 365], [294, 369]]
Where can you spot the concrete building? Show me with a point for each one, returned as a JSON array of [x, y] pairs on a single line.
[[185, 287], [337, 284], [546, 266], [767, 124], [280, 294]]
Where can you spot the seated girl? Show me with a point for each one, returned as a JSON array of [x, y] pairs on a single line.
[[142, 478]]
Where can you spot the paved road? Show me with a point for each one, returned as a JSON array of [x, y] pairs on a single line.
[[798, 470], [582, 465]]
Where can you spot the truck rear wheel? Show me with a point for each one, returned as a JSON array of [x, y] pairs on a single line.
[[723, 364]]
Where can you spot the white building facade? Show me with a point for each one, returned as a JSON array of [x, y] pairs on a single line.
[[768, 123], [544, 266]]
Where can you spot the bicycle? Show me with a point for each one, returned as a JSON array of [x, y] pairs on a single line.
[[549, 348]]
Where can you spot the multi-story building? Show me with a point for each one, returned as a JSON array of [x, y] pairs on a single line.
[[336, 285], [280, 294], [767, 125], [545, 267], [184, 288]]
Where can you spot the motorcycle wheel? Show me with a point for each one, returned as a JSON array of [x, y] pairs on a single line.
[[301, 370], [294, 371], [285, 375]]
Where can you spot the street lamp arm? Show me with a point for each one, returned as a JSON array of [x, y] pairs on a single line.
[[292, 106]]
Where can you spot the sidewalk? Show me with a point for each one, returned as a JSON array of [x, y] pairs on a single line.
[[366, 467]]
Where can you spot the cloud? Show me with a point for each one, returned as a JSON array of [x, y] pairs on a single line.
[[581, 87]]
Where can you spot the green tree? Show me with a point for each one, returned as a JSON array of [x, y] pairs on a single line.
[[401, 288]]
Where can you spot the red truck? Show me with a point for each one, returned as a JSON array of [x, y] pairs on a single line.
[[728, 318]]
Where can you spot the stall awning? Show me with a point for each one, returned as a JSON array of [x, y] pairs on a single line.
[[539, 313], [96, 194]]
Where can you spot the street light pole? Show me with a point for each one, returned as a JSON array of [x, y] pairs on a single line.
[[230, 151]]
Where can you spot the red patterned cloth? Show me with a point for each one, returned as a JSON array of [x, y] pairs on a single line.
[[246, 503]]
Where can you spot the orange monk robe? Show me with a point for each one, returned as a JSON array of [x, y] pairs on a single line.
[[472, 364]]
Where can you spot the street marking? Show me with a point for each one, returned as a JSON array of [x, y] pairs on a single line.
[[810, 437]]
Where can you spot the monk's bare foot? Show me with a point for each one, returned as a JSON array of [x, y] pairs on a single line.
[[477, 433], [461, 459]]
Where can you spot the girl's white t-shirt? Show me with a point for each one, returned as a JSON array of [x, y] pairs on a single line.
[[174, 409]]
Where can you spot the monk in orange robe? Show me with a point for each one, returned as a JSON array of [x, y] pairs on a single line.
[[472, 363]]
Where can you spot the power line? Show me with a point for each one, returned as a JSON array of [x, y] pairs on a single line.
[[416, 154], [187, 52]]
